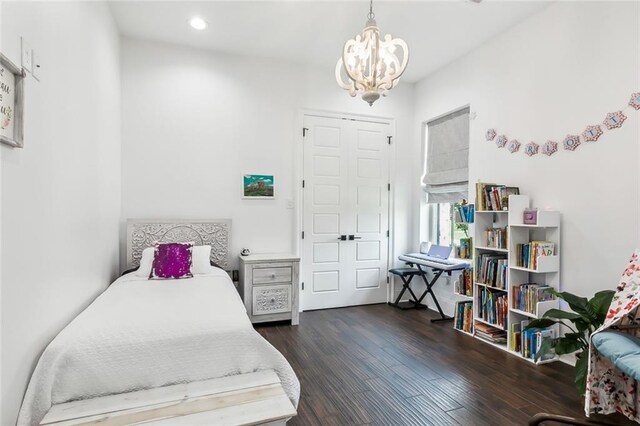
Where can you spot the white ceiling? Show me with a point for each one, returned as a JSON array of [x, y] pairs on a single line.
[[313, 33]]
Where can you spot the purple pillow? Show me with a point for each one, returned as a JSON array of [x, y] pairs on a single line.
[[171, 261]]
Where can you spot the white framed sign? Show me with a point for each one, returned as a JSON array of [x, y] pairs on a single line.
[[11, 103]]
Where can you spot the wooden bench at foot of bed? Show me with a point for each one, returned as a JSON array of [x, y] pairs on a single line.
[[246, 399]]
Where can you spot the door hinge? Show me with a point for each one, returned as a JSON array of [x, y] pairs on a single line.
[[389, 139], [387, 233], [303, 235], [388, 187], [303, 285], [387, 279], [304, 131], [303, 183]]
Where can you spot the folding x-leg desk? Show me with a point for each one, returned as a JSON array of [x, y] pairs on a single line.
[[438, 269]]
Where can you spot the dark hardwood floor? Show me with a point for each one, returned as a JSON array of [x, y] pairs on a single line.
[[379, 365]]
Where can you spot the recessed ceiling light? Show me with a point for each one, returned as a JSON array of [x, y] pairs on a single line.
[[198, 23]]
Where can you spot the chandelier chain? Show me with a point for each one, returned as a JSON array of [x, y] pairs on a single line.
[[371, 15]]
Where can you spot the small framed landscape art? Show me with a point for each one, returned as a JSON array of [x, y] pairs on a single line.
[[11, 103], [255, 186]]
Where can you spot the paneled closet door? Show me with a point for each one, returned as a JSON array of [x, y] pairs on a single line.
[[345, 213]]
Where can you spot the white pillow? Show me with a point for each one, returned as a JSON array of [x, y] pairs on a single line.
[[200, 260], [146, 263]]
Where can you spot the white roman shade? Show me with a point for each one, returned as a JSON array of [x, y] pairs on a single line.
[[447, 176]]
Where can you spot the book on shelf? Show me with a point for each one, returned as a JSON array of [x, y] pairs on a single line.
[[526, 296], [464, 250], [527, 255], [515, 332], [492, 307], [463, 318], [496, 237], [491, 270], [463, 213], [490, 196], [531, 340], [481, 204], [489, 333], [464, 284]]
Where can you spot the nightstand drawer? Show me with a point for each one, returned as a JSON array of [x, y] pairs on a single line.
[[271, 299], [272, 275]]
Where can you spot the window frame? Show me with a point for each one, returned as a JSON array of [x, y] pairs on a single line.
[[432, 210]]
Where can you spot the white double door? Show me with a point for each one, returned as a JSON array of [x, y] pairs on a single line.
[[345, 212]]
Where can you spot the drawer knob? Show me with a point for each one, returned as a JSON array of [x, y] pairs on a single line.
[[273, 275], [273, 299]]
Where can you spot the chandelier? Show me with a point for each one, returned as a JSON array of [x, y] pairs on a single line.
[[370, 63]]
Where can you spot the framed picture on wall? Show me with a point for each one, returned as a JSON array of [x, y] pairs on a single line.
[[11, 103], [258, 186]]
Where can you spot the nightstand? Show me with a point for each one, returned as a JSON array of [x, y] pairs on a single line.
[[269, 287]]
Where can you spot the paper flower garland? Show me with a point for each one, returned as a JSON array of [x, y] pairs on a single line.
[[634, 102], [613, 120], [549, 148], [571, 142], [592, 133], [513, 146], [531, 148], [501, 141]]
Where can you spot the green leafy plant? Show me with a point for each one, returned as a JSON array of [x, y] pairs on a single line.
[[464, 228], [461, 226], [587, 316]]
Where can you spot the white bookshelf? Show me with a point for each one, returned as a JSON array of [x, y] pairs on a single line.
[[547, 269]]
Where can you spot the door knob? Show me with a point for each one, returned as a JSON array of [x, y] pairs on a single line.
[[342, 238], [353, 237]]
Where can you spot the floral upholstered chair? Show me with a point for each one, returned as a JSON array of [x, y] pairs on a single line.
[[614, 352], [614, 358]]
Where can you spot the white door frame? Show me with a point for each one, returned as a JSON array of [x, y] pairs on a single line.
[[298, 173]]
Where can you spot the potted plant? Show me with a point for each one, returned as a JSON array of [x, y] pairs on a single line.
[[587, 316], [464, 228]]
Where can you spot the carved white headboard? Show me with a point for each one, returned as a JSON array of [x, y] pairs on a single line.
[[143, 233]]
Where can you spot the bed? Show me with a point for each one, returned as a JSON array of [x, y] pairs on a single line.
[[146, 334]]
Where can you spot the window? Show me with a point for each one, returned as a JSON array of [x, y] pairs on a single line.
[[446, 175], [447, 233]]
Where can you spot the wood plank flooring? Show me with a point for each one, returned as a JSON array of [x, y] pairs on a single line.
[[382, 366]]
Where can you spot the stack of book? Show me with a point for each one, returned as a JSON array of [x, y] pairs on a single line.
[[464, 250], [463, 213], [489, 333], [492, 270], [527, 255], [493, 307], [526, 296], [496, 237], [464, 285], [490, 196], [529, 341], [463, 319]]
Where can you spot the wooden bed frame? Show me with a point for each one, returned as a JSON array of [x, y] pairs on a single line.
[[246, 399]]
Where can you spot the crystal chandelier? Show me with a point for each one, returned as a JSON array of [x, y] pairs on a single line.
[[370, 63]]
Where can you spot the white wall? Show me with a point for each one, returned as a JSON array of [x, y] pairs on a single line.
[[554, 74], [194, 120], [61, 193], [1, 410]]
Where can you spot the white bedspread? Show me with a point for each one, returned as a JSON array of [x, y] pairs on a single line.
[[141, 334]]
